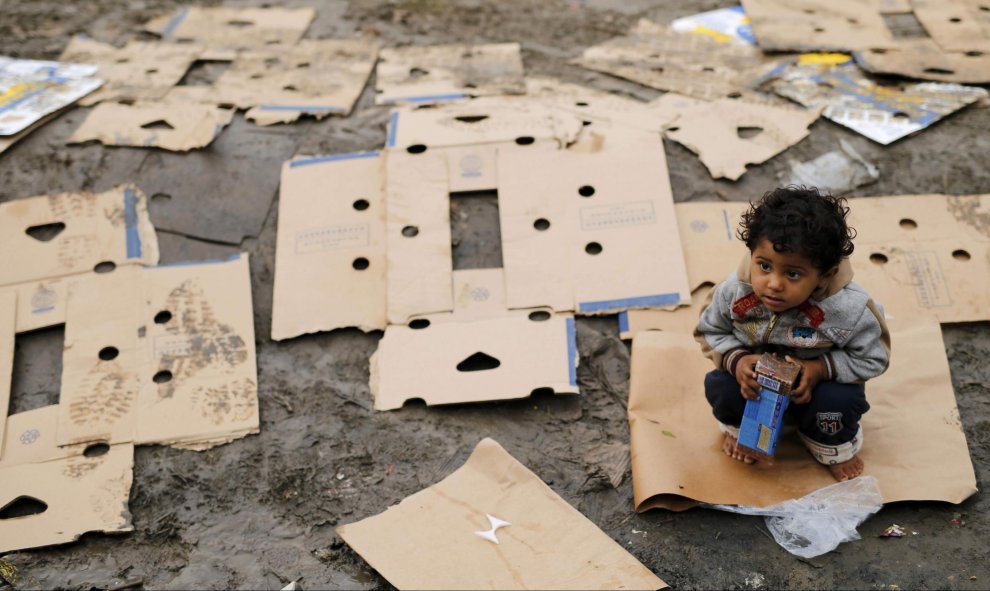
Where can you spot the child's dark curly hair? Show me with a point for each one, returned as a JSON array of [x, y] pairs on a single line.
[[802, 220]]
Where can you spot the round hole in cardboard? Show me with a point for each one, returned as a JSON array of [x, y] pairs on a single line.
[[955, 19], [541, 224], [878, 258], [410, 231], [586, 191], [95, 450], [586, 123], [419, 324], [163, 317], [539, 316], [525, 140], [960, 255], [593, 248], [581, 104], [416, 149], [162, 377], [109, 353], [908, 224], [360, 263], [105, 267], [361, 204]]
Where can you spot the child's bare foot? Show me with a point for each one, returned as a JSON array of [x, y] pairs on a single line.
[[731, 448], [847, 470]]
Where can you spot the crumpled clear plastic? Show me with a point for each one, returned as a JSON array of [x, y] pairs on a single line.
[[818, 522]]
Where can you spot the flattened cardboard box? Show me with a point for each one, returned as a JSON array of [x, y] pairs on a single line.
[[233, 28], [76, 234], [176, 127], [595, 106], [448, 72], [817, 25], [431, 540], [330, 250], [160, 355], [912, 428], [922, 59], [479, 352], [139, 70], [956, 25], [32, 90]]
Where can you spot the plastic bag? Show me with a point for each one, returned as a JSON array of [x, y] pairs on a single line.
[[818, 522]]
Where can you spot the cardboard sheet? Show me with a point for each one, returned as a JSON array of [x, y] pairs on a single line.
[[727, 134], [479, 352], [331, 214], [594, 106], [817, 25], [77, 233], [176, 127], [139, 70], [429, 541], [160, 355], [882, 113], [31, 90], [233, 28], [913, 428], [923, 59], [600, 215], [8, 318], [448, 72], [692, 65], [956, 25]]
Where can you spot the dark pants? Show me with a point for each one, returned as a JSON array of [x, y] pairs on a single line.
[[830, 418]]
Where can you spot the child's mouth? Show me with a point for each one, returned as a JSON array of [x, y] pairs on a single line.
[[772, 301]]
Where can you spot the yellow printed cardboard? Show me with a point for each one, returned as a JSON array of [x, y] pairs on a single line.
[[538, 541]]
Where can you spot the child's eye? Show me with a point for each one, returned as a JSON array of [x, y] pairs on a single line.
[[793, 275], [765, 267]]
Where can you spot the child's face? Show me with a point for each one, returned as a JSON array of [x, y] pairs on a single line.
[[784, 280]]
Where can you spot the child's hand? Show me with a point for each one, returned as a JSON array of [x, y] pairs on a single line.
[[812, 374], [746, 376]]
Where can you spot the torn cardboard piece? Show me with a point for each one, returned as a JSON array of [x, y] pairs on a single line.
[[139, 70], [233, 28], [912, 428], [547, 545], [923, 59], [817, 25], [600, 216], [838, 171], [439, 73], [160, 355], [31, 90], [595, 106], [693, 65], [724, 25], [62, 236], [956, 25], [479, 352], [175, 127], [330, 251], [729, 134], [882, 113]]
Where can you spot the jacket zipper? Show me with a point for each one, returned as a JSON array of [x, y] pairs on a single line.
[[773, 322]]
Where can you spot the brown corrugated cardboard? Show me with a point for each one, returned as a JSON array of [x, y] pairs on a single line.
[[817, 25], [595, 106], [448, 72], [177, 127], [913, 428], [86, 232], [8, 318], [233, 28], [481, 351], [431, 539], [331, 217], [160, 355], [956, 25], [922, 58], [139, 70], [728, 134], [599, 215]]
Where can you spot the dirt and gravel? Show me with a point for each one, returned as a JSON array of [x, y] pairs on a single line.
[[261, 511]]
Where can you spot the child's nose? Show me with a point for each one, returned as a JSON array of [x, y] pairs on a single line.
[[775, 283]]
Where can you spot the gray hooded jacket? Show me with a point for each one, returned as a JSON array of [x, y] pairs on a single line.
[[839, 323]]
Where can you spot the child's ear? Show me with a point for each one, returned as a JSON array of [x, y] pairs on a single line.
[[827, 277]]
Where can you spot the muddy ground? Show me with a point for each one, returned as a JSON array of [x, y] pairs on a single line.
[[260, 512]]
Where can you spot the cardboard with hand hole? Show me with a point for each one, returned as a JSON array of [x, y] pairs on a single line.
[[913, 441], [600, 216], [547, 544], [956, 25], [160, 355], [76, 234], [175, 127], [438, 73], [693, 65], [479, 352], [139, 70], [233, 28], [31, 90], [923, 59], [729, 134], [817, 25], [331, 217]]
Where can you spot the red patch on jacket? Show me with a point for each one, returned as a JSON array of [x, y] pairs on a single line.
[[745, 304], [815, 314]]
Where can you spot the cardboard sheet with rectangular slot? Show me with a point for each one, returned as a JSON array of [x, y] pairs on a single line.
[[234, 28], [448, 72], [31, 90], [139, 70], [817, 25], [600, 216], [70, 234], [178, 127], [160, 355], [912, 429], [479, 352], [430, 541], [331, 214]]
